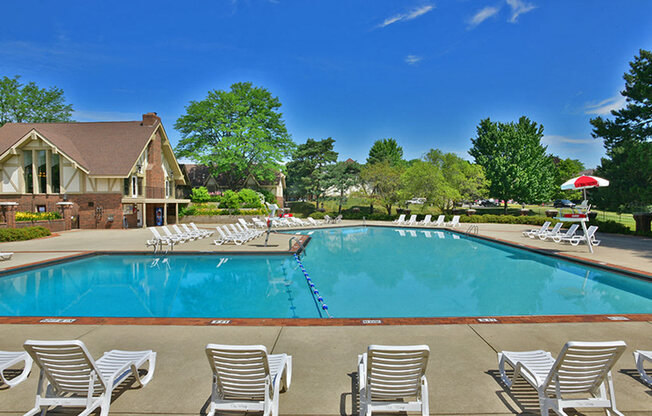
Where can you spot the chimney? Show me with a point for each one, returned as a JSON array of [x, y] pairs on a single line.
[[149, 119]]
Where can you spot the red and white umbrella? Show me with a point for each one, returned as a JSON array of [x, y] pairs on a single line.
[[584, 182]]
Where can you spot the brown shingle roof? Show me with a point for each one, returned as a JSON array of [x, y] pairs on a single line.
[[102, 148]]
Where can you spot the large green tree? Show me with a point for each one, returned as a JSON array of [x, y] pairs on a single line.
[[628, 142], [236, 133], [27, 103], [565, 169], [385, 150], [308, 170], [443, 179], [383, 182], [342, 176], [514, 160]]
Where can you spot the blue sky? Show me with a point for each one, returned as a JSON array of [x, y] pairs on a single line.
[[422, 72]]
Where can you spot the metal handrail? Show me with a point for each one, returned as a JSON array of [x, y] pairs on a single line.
[[473, 229]]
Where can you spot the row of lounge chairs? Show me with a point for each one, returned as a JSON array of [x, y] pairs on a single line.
[[248, 379], [558, 236], [238, 234], [428, 222], [179, 236]]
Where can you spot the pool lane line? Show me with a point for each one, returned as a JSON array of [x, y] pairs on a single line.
[[313, 288]]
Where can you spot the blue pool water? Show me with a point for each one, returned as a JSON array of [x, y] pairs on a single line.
[[360, 272]]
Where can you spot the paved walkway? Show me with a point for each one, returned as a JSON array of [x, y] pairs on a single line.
[[462, 370]]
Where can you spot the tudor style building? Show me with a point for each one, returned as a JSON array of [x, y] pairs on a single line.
[[105, 174]]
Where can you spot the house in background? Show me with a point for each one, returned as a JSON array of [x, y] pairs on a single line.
[[108, 174], [199, 175]]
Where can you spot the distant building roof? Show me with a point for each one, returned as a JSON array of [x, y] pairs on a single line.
[[102, 148], [198, 175]]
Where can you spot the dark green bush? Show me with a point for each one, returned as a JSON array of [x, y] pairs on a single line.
[[19, 234], [317, 215], [269, 197], [249, 198], [200, 195], [303, 208]]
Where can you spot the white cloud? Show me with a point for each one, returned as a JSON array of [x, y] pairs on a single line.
[[519, 7], [81, 115], [482, 15], [554, 139], [413, 59], [412, 14], [605, 107]]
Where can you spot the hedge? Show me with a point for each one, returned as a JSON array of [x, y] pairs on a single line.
[[211, 209], [19, 234]]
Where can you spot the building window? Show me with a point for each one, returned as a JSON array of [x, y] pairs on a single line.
[[140, 187], [134, 186], [54, 173], [42, 172], [27, 168], [126, 187], [40, 208], [167, 188]]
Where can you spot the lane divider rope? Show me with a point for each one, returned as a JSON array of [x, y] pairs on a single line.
[[313, 287]]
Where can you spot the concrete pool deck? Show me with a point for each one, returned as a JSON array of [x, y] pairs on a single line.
[[462, 370]]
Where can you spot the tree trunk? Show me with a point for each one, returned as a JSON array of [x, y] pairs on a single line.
[[505, 200], [389, 209], [371, 208], [339, 210]]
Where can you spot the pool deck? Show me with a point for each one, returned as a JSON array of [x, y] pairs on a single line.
[[462, 370]]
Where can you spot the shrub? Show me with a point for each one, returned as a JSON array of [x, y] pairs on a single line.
[[317, 215], [231, 200], [303, 208], [37, 216], [212, 209], [269, 197], [200, 195], [19, 234], [249, 198]]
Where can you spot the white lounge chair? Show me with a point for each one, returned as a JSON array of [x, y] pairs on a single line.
[[576, 239], [640, 357], [258, 223], [569, 233], [205, 233], [188, 235], [160, 241], [70, 377], [338, 219], [400, 220], [412, 220], [536, 231], [387, 374], [315, 222], [177, 238], [247, 379], [455, 222], [426, 220], [9, 360], [580, 377], [440, 221], [6, 256], [549, 234], [227, 236]]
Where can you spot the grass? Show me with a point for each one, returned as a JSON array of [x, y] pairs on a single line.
[[331, 205]]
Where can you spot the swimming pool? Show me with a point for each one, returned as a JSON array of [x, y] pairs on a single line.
[[360, 272]]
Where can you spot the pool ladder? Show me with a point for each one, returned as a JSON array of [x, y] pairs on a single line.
[[473, 229]]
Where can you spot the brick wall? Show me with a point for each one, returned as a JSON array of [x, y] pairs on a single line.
[[85, 206], [52, 225], [154, 176]]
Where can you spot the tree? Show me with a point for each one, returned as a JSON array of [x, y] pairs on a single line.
[[307, 173], [384, 180], [514, 160], [236, 133], [30, 104], [565, 169], [443, 179], [627, 140], [385, 150], [342, 176]]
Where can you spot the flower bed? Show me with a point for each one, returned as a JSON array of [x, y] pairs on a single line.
[[37, 216]]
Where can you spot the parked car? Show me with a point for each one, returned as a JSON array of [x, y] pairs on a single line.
[[563, 203], [416, 201], [489, 203]]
